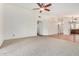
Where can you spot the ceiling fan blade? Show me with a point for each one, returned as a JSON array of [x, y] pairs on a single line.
[[42, 4], [39, 4], [35, 8], [48, 5], [47, 9]]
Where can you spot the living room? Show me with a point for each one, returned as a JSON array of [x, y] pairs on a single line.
[[21, 24]]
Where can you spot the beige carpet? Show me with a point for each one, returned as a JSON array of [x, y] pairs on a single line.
[[39, 46]]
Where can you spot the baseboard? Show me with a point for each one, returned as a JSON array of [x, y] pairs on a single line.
[[48, 35], [20, 37]]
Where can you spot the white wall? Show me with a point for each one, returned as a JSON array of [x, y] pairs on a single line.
[[52, 25], [21, 21], [1, 24], [48, 26], [18, 22], [1, 20], [43, 27]]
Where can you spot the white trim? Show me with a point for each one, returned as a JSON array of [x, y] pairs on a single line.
[[16, 37]]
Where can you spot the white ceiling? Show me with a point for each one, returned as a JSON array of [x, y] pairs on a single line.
[[56, 8]]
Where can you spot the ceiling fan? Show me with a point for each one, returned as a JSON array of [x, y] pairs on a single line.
[[43, 7]]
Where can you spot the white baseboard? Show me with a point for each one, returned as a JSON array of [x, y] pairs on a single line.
[[17, 37]]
